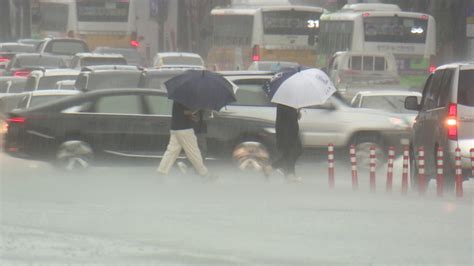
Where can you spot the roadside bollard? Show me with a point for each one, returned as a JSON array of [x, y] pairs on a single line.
[[391, 159], [355, 181], [372, 169], [439, 172], [421, 171], [471, 151], [458, 172], [405, 170], [331, 165]]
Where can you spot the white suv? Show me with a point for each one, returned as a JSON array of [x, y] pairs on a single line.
[[445, 119]]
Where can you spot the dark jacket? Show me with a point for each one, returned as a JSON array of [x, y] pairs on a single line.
[[287, 129]]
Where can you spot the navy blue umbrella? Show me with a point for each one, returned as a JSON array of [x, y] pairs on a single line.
[[200, 89]]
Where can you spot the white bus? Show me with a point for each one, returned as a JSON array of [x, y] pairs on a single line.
[[98, 22], [409, 36], [243, 34]]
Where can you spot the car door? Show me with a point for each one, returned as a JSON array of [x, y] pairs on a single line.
[[322, 124], [156, 132], [119, 120], [422, 134]]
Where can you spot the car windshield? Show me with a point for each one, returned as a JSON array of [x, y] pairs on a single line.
[[391, 103], [131, 55], [49, 82], [66, 47], [18, 48], [92, 61], [114, 80], [181, 60], [39, 61], [12, 86]]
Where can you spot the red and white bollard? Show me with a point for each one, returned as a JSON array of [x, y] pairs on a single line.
[[439, 172], [421, 171], [391, 159], [355, 180], [406, 154], [372, 169], [458, 173], [331, 165]]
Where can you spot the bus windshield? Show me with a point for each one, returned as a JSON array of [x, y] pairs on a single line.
[[102, 11], [395, 29], [291, 22]]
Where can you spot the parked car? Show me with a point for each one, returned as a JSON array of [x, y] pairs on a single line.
[[33, 42], [67, 84], [81, 60], [132, 56], [63, 47], [12, 84], [8, 50], [333, 122], [26, 100], [46, 79], [445, 119], [273, 66], [22, 64], [36, 98], [111, 124], [387, 100], [178, 60], [156, 78], [355, 69], [106, 77]]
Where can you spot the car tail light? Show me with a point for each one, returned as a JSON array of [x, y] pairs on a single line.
[[365, 14], [4, 60], [135, 43], [452, 122], [17, 120], [256, 53], [21, 73]]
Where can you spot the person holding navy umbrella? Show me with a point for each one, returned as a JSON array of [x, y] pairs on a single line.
[[192, 92]]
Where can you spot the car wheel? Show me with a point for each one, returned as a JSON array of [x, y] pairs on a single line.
[[74, 155], [363, 155], [251, 154]]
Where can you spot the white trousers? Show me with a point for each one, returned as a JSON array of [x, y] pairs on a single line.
[[182, 139]]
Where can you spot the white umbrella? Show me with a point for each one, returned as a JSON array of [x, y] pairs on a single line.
[[304, 88]]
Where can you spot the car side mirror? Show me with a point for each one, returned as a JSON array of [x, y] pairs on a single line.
[[411, 103]]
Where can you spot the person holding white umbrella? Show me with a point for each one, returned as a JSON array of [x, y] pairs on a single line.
[[291, 90]]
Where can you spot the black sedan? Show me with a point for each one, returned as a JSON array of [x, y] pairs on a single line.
[[116, 123]]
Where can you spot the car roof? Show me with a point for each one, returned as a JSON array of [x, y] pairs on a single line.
[[12, 78], [165, 54], [99, 55], [52, 92], [111, 68], [55, 72], [163, 71], [389, 93], [246, 73], [463, 65]]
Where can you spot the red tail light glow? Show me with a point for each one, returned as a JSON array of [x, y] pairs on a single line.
[[452, 121], [432, 68], [4, 60], [256, 53], [21, 73], [135, 43], [18, 120]]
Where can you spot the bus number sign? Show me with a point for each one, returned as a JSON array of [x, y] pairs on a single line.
[[313, 23]]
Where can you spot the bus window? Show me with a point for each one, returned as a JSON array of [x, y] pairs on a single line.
[[379, 63], [368, 63], [106, 11], [395, 29], [291, 22], [356, 62], [232, 30], [54, 17]]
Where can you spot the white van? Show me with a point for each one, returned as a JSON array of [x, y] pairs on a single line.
[[350, 69]]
